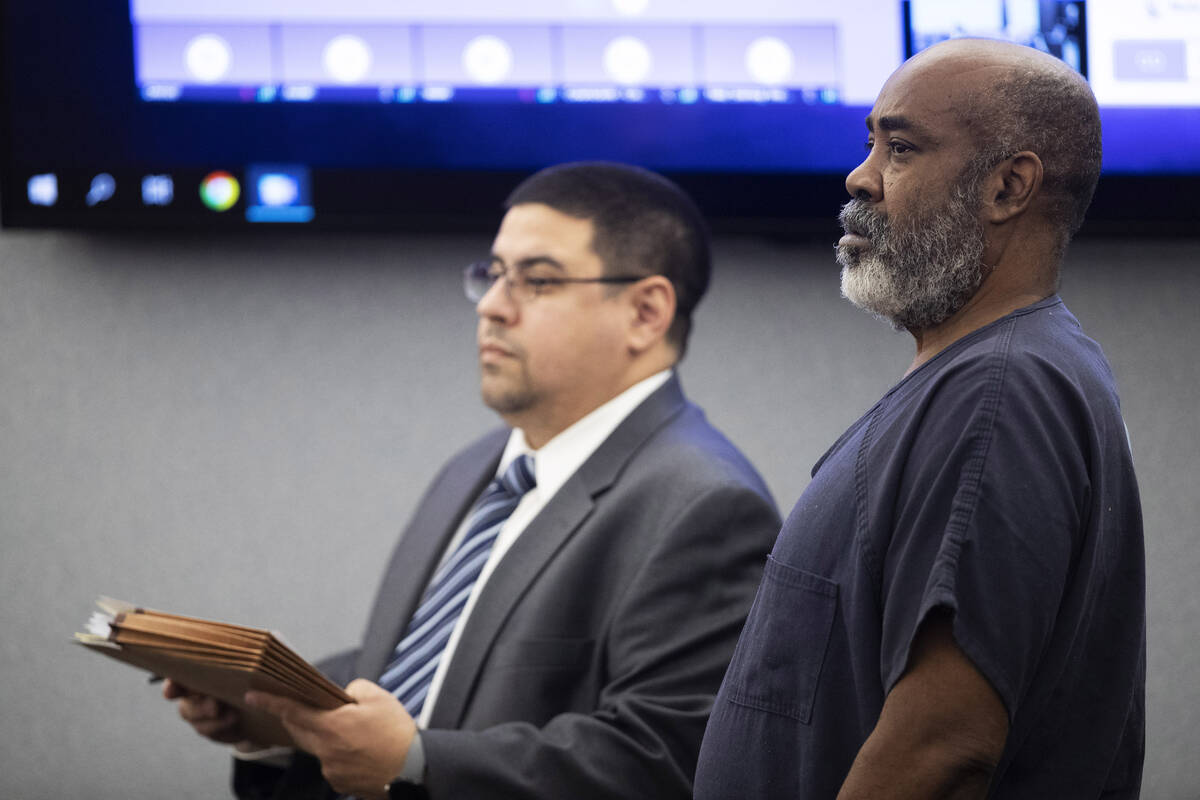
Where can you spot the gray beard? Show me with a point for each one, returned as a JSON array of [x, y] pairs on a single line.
[[916, 273]]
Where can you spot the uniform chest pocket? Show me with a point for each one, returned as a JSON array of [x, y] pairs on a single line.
[[778, 659]]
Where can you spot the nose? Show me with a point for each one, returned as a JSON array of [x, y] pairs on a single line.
[[497, 303], [864, 182]]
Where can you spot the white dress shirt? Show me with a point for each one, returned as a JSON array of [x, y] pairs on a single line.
[[554, 463]]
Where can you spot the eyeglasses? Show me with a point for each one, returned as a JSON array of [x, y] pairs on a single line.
[[479, 277]]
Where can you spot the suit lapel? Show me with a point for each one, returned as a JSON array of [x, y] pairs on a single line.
[[533, 551], [420, 550]]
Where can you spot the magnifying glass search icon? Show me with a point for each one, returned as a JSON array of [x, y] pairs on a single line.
[[102, 189]]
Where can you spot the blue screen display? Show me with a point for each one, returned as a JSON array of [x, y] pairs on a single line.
[[160, 92]]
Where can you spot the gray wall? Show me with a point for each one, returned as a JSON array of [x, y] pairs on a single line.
[[237, 428]]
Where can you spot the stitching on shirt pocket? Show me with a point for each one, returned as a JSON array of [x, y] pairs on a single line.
[[782, 649]]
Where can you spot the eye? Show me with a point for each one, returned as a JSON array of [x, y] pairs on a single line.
[[538, 284], [899, 148], [868, 145]]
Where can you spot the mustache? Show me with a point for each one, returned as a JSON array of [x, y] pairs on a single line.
[[858, 218], [494, 334]]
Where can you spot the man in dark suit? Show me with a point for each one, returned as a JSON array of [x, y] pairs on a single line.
[[558, 615]]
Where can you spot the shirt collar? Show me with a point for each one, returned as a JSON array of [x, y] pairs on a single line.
[[558, 459]]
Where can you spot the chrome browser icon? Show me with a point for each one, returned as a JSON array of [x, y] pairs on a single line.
[[219, 190]]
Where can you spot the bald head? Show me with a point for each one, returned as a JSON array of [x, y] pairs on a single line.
[[1012, 98]]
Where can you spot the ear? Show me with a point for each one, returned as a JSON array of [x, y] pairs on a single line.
[[1012, 186], [652, 306]]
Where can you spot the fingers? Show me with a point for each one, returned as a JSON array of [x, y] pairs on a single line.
[[361, 745], [173, 690], [270, 703], [364, 690], [199, 707], [292, 714], [301, 722], [224, 727], [208, 716]]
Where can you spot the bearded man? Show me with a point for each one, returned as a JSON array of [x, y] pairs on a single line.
[[956, 605]]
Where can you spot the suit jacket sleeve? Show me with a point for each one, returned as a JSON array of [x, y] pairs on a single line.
[[665, 653]]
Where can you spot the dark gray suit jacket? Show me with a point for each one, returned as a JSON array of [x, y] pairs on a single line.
[[591, 660]]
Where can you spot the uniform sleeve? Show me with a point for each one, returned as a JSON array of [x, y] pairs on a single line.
[[987, 518]]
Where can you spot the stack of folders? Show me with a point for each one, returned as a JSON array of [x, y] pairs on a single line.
[[213, 658]]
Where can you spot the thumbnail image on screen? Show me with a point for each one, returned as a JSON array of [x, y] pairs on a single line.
[[1052, 26], [533, 51]]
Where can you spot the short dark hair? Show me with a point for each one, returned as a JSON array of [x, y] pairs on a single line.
[[1050, 111], [643, 224]]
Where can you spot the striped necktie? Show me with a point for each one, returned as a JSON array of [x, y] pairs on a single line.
[[416, 657]]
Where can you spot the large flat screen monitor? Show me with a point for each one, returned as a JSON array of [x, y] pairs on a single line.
[[382, 113]]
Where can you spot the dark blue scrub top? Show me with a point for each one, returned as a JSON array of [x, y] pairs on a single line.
[[994, 481]]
